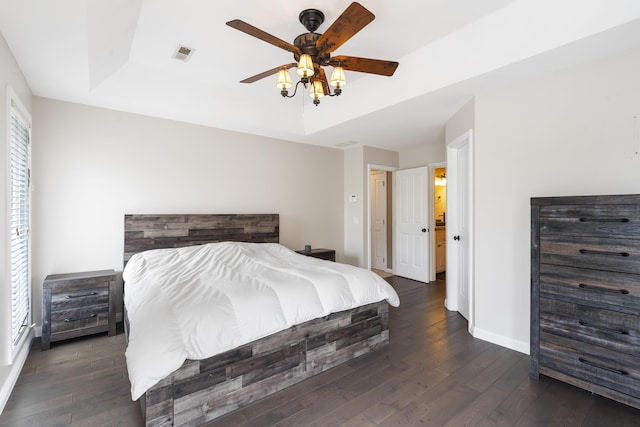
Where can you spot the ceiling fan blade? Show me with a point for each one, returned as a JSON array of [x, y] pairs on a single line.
[[268, 73], [365, 65], [258, 33], [353, 19]]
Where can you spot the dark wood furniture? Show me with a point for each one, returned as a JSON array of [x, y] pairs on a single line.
[[585, 293], [146, 232], [202, 390], [328, 254], [77, 304]]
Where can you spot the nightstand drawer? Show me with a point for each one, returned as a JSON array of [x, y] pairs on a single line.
[[78, 309], [79, 298]]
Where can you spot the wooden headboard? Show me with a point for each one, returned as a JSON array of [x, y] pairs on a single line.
[[145, 232]]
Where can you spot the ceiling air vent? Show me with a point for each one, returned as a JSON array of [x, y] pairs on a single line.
[[183, 53], [345, 144]]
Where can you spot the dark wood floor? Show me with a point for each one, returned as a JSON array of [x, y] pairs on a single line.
[[433, 373]]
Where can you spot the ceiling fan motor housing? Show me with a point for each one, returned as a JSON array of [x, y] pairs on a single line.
[[311, 19], [307, 44]]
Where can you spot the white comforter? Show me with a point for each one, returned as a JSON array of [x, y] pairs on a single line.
[[199, 301]]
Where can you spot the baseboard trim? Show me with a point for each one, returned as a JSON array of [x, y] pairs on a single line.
[[501, 340], [14, 370]]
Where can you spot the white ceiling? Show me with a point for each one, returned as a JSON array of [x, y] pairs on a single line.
[[118, 54]]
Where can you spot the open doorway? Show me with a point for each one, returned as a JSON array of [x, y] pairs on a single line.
[[380, 221], [440, 216]]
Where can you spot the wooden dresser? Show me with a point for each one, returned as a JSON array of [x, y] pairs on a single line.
[[585, 293], [77, 304]]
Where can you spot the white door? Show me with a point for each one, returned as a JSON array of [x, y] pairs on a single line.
[[459, 227], [412, 224], [378, 186]]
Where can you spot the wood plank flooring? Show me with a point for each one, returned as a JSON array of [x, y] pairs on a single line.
[[433, 373]]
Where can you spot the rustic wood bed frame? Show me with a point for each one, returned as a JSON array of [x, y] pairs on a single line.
[[202, 390]]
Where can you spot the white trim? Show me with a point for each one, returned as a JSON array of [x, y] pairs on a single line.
[[451, 300], [13, 101], [501, 340], [15, 104], [371, 167], [15, 369]]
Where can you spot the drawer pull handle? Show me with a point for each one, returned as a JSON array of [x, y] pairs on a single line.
[[604, 219], [73, 319], [606, 368], [603, 328], [602, 289], [607, 253], [81, 295]]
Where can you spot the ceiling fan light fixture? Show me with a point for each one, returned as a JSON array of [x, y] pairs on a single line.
[[284, 80], [305, 66], [316, 92], [338, 79]]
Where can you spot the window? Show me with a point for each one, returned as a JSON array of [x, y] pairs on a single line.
[[19, 205]]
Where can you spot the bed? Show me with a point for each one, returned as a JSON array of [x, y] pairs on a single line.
[[206, 387]]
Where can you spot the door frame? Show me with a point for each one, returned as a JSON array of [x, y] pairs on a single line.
[[451, 301], [371, 167]]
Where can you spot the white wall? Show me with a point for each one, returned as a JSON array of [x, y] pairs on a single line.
[[11, 75], [572, 132], [91, 166]]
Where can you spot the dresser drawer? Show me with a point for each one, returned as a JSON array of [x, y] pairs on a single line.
[[605, 289], [593, 364], [82, 308], [605, 328], [591, 220], [610, 254]]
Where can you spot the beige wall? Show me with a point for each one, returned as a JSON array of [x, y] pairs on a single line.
[[422, 155], [10, 75], [91, 166], [572, 132], [461, 122], [356, 215]]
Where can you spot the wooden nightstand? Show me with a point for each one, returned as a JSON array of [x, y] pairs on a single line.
[[77, 304], [328, 254]]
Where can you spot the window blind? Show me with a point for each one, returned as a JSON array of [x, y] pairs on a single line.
[[19, 232]]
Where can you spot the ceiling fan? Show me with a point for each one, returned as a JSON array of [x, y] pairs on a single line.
[[312, 51]]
